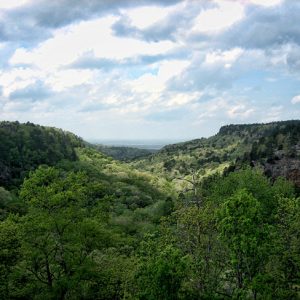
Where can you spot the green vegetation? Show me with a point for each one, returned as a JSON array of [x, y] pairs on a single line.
[[77, 224], [124, 153], [233, 147], [24, 147]]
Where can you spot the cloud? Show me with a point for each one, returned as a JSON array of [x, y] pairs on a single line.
[[295, 99], [240, 111], [90, 61], [149, 68], [293, 57], [34, 92], [211, 70], [66, 79], [72, 42], [274, 114], [5, 5], [265, 27], [16, 107], [167, 115], [33, 21], [167, 24], [266, 2], [224, 15], [60, 13], [123, 28], [18, 78], [225, 57]]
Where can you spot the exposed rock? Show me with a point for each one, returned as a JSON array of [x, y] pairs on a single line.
[[285, 167]]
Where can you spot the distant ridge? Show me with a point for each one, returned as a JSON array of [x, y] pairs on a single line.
[[240, 127], [273, 146]]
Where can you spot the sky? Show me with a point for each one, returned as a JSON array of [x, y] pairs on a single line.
[[149, 69]]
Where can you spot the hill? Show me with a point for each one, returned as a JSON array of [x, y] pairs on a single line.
[[23, 147], [274, 146], [78, 224], [124, 153]]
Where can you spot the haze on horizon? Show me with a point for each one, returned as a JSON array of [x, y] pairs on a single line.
[[149, 69]]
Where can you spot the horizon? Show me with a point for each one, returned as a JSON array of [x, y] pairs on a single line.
[[149, 70], [145, 143]]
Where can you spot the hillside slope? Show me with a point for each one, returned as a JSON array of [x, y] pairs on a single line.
[[124, 153], [134, 196], [274, 146], [91, 227], [23, 147]]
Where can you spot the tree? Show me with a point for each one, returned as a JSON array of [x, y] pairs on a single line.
[[248, 240], [194, 187], [197, 236], [59, 234], [162, 271], [286, 270], [9, 254]]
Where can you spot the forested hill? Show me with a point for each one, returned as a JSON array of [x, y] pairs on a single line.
[[124, 153], [23, 147], [274, 146], [76, 224], [270, 145]]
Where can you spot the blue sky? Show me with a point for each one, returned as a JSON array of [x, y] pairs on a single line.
[[149, 69]]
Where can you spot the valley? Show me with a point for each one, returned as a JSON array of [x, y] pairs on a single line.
[[204, 219]]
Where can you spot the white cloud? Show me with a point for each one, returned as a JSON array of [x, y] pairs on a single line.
[[156, 83], [180, 99], [18, 78], [295, 99], [64, 79], [223, 108], [225, 57], [15, 106], [217, 61], [69, 43], [273, 114], [145, 16], [9, 4], [223, 16], [240, 111], [264, 2]]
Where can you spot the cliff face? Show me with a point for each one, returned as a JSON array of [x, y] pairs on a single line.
[[284, 167], [277, 150]]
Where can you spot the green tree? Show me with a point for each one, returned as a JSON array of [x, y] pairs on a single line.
[[59, 233], [197, 236], [286, 270], [248, 240], [162, 272], [9, 255]]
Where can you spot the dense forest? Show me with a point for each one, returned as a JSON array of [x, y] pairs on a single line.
[[123, 153], [215, 218]]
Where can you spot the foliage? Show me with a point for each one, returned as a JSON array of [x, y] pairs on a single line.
[[23, 147], [124, 153], [85, 226], [161, 272], [247, 238], [233, 147], [9, 255]]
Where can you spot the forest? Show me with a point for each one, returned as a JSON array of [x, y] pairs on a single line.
[[212, 218]]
